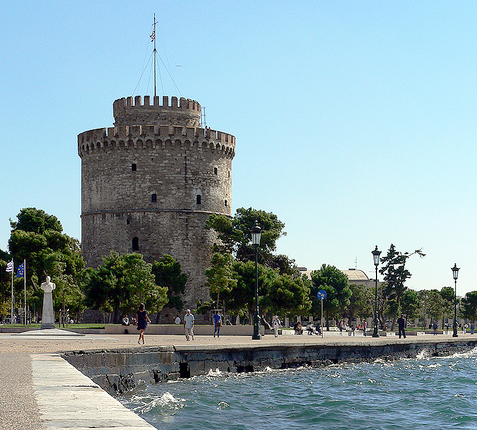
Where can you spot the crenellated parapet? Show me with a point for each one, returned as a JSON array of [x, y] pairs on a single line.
[[135, 111], [143, 136]]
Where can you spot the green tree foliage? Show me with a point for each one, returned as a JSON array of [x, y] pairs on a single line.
[[360, 302], [410, 303], [434, 304], [287, 295], [281, 287], [235, 234], [448, 294], [168, 273], [121, 283], [395, 275], [38, 238], [220, 276], [241, 298], [469, 306], [338, 292]]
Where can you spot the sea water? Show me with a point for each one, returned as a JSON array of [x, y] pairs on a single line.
[[422, 393]]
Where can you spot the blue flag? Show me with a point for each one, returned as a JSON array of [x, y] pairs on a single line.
[[20, 270]]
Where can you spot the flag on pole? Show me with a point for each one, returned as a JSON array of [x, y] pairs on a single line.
[[21, 270], [153, 35], [10, 266]]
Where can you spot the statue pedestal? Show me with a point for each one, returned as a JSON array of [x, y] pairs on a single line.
[[48, 315]]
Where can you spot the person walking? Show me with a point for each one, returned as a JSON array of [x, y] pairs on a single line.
[[401, 325], [189, 325], [142, 320], [275, 325], [217, 323]]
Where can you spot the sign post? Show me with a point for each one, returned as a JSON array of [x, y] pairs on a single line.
[[321, 296]]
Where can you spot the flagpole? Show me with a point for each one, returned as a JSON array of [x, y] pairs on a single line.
[[155, 52], [11, 314], [24, 289]]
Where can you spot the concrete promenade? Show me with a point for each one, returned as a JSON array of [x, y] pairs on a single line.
[[40, 390]]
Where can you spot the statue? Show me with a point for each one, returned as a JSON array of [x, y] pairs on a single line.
[[48, 317]]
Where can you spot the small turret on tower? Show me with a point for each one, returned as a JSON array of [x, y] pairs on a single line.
[[129, 111]]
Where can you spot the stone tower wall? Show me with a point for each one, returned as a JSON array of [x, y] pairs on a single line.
[[149, 188]]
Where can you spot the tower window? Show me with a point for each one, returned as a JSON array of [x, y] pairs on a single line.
[[134, 167], [198, 199], [226, 203], [135, 244], [215, 170], [154, 198]]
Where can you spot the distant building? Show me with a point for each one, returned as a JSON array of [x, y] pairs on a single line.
[[355, 276]]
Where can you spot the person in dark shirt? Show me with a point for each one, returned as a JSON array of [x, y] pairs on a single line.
[[401, 324], [142, 320]]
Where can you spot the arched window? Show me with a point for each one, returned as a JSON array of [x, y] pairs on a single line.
[[134, 167], [215, 170], [226, 203], [198, 199], [154, 198], [135, 244]]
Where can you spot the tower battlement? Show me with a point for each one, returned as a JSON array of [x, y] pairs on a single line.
[[129, 136], [134, 111]]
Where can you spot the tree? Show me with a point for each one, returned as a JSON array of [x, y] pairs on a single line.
[[395, 275], [361, 302], [168, 273], [38, 238], [410, 303], [287, 294], [241, 299], [235, 236], [435, 304], [338, 293], [469, 305], [447, 294], [121, 283], [220, 276]]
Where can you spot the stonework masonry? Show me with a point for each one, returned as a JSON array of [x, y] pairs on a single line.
[[149, 183]]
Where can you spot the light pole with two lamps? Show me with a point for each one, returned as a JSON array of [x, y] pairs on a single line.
[[256, 234], [376, 255], [455, 274]]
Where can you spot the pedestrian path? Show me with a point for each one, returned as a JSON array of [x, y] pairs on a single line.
[[69, 400]]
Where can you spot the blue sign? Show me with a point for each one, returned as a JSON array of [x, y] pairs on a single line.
[[321, 294]]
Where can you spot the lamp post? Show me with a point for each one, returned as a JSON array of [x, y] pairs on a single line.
[[256, 234], [455, 275], [376, 255]]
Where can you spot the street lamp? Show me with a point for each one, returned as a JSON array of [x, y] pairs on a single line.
[[455, 274], [256, 234], [376, 255]]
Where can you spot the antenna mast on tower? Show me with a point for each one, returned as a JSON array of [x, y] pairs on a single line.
[[153, 39]]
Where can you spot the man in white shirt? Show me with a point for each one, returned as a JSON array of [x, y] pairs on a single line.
[[189, 325]]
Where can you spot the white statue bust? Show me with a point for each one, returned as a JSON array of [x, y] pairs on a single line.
[[48, 315], [48, 286]]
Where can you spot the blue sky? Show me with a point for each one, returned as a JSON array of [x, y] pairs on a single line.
[[355, 120]]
